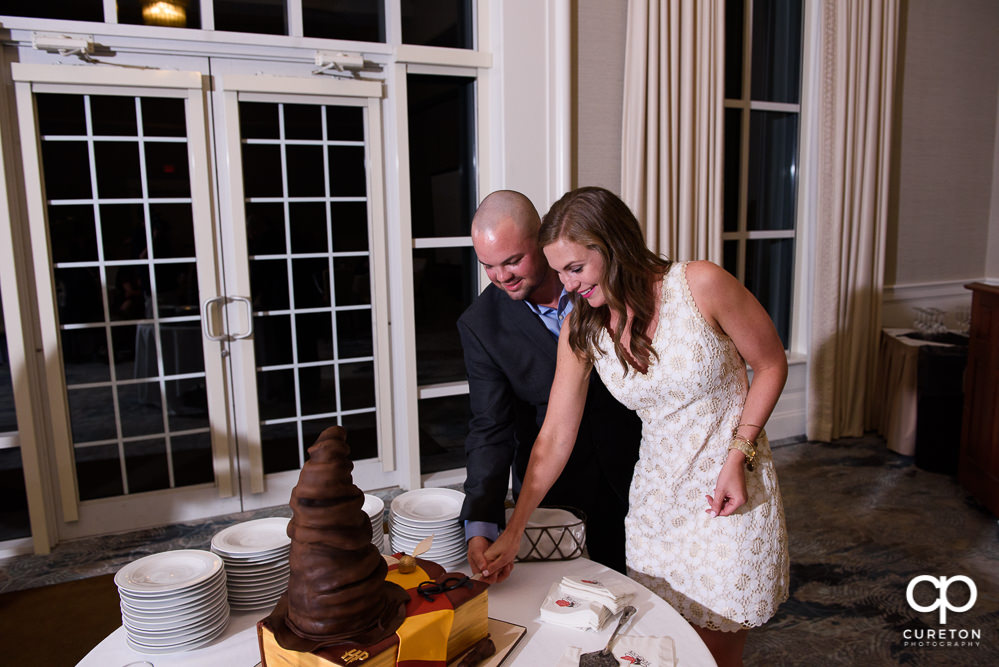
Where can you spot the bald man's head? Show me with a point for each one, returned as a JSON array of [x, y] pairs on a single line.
[[505, 237], [506, 207]]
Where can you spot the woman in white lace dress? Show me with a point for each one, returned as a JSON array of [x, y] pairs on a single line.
[[671, 340]]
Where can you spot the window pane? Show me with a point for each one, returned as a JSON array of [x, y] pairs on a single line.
[[262, 16], [437, 23], [14, 520], [444, 284], [441, 154], [733, 149], [171, 13], [734, 25], [344, 19], [776, 50], [730, 257], [773, 152], [74, 10], [769, 275], [443, 427]]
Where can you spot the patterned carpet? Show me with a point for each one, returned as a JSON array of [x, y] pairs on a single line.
[[862, 522]]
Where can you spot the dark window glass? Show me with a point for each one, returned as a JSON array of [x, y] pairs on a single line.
[[352, 281], [146, 465], [437, 23], [140, 409], [362, 21], [78, 295], [734, 26], [265, 228], [307, 224], [192, 459], [123, 347], [177, 289], [272, 340], [279, 446], [269, 284], [14, 520], [357, 386], [348, 176], [353, 334], [443, 427], [173, 230], [730, 256], [776, 60], [769, 276], [441, 154], [73, 10], [303, 121], [113, 115], [128, 292], [444, 282], [305, 171], [345, 123], [166, 170], [733, 143], [72, 235], [315, 336], [88, 414], [312, 283], [258, 120], [8, 419], [350, 226], [170, 13], [66, 169], [187, 403], [98, 472], [276, 394], [84, 355], [773, 152], [269, 17], [117, 167], [60, 114], [318, 390], [163, 117], [362, 435], [262, 170], [123, 231]]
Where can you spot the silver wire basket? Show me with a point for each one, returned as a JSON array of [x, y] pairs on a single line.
[[554, 533]]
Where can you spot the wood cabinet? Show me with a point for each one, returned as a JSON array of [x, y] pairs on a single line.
[[978, 469]]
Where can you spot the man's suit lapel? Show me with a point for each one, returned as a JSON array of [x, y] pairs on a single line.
[[520, 314]]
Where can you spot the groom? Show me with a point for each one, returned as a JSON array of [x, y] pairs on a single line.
[[510, 336]]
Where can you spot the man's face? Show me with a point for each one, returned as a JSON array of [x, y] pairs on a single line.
[[512, 259]]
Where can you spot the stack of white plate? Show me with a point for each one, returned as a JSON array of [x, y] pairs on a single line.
[[419, 513], [173, 601], [255, 554], [374, 507]]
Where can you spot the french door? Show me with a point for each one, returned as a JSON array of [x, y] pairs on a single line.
[[208, 256]]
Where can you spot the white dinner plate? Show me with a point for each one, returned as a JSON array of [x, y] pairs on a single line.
[[172, 598], [428, 505], [373, 506], [252, 537], [187, 644], [180, 608], [202, 617], [260, 589], [168, 572], [181, 634], [258, 579]]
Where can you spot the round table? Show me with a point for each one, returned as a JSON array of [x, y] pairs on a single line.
[[517, 600]]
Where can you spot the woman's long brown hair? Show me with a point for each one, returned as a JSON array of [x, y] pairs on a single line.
[[597, 219]]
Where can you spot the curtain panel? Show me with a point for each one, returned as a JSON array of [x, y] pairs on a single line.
[[859, 43], [671, 155]]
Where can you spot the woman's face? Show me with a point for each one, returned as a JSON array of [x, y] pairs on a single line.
[[580, 269]]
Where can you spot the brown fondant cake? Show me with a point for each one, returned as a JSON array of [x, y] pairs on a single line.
[[343, 606]]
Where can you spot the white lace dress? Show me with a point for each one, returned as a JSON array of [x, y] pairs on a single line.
[[724, 573]]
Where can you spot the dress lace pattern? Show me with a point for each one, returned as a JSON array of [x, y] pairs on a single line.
[[723, 573]]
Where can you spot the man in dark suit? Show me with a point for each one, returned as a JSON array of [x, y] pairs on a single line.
[[510, 337]]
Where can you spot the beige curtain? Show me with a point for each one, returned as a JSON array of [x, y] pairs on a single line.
[[858, 77], [672, 126]]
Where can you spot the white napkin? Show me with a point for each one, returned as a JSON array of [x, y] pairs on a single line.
[[614, 595], [630, 652], [573, 612]]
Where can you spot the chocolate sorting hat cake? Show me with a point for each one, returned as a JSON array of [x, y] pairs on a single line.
[[337, 590]]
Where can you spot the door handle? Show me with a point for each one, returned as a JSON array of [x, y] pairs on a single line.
[[249, 317], [206, 317]]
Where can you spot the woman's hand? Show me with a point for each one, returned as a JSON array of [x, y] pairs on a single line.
[[501, 554], [730, 489], [477, 547]]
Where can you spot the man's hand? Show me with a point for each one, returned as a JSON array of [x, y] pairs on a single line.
[[477, 560]]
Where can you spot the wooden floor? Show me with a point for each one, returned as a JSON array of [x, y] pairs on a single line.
[[59, 624]]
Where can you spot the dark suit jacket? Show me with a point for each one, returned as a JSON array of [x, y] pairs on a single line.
[[510, 361]]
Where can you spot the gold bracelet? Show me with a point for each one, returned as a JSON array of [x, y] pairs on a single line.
[[748, 449]]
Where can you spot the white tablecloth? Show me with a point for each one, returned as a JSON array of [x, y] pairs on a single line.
[[516, 600]]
